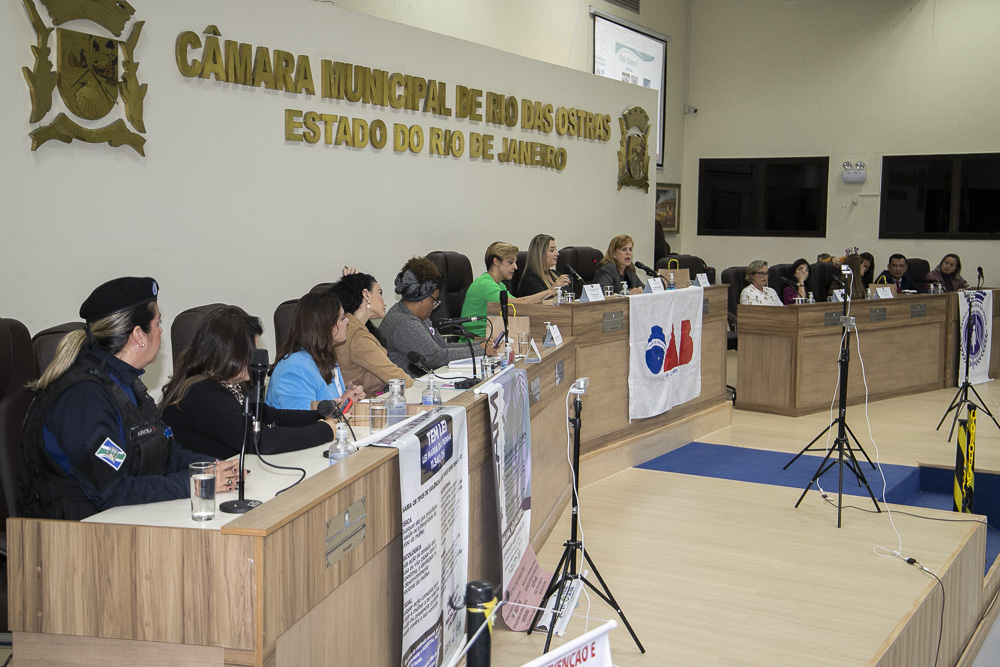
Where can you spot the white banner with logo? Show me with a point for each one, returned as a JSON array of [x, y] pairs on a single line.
[[664, 350], [592, 649], [980, 304], [434, 493], [523, 582]]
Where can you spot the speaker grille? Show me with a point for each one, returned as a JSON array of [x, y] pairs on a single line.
[[631, 5]]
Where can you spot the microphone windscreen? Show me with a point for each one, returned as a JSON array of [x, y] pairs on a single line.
[[325, 408], [259, 356]]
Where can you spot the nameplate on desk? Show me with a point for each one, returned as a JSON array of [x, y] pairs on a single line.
[[883, 292], [653, 286], [592, 293], [876, 314], [345, 532], [614, 321], [918, 310], [702, 279], [552, 336]]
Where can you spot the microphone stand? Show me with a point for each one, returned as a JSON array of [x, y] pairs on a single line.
[[566, 571], [841, 445], [250, 425]]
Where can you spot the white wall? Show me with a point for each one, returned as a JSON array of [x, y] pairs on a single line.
[[223, 208], [853, 80]]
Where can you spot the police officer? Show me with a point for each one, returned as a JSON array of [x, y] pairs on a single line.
[[93, 438]]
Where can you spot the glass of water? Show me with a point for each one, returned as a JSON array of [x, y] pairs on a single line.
[[376, 410], [202, 491]]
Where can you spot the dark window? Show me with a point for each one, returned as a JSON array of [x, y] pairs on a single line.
[[940, 196], [763, 197]]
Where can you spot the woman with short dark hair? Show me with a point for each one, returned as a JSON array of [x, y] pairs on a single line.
[[798, 274], [362, 356], [203, 401]]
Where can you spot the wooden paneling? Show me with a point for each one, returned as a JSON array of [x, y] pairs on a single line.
[[788, 357], [131, 582], [48, 650]]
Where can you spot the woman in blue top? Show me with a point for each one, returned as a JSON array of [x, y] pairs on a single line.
[[307, 370]]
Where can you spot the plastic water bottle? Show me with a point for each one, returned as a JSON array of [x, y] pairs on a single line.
[[341, 447], [559, 296], [811, 298], [671, 282], [431, 395], [395, 404]]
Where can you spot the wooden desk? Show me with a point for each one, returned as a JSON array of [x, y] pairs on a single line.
[[257, 590], [603, 354], [788, 356]]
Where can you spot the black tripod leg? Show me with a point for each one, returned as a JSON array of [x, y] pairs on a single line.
[[556, 582], [819, 471], [856, 469], [609, 597], [958, 411], [954, 405], [806, 448], [862, 449]]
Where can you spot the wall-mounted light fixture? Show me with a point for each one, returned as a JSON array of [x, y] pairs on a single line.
[[855, 173]]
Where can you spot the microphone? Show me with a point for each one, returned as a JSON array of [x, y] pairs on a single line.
[[503, 308], [979, 270], [420, 361], [569, 269], [447, 322], [649, 272], [836, 279], [258, 371], [327, 408], [791, 283]]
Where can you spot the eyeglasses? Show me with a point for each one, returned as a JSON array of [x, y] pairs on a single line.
[[760, 273]]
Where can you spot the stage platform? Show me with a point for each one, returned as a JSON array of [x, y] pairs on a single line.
[[718, 572]]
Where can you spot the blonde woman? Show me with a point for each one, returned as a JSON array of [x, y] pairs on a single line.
[[540, 273], [616, 266], [93, 438]]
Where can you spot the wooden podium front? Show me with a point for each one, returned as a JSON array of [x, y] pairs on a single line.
[[788, 356]]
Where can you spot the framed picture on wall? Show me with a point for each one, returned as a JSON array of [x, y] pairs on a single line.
[[668, 202]]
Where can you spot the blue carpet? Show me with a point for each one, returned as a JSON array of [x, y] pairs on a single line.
[[904, 485]]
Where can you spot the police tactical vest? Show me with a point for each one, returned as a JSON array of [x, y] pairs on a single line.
[[44, 489]]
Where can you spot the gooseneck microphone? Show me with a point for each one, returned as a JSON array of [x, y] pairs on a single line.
[[979, 270], [791, 283], [649, 272], [571, 271], [420, 361], [253, 415], [503, 310], [449, 321]]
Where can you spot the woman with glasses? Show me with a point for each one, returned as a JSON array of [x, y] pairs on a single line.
[[757, 293], [407, 326], [307, 371]]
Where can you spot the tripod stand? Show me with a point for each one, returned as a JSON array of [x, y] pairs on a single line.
[[845, 453], [566, 571], [962, 397]]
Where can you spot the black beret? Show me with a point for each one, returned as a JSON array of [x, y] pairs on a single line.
[[117, 295]]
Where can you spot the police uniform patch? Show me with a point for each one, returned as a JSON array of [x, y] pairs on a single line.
[[111, 454]]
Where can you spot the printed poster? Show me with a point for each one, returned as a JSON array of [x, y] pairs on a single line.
[[979, 304], [434, 493]]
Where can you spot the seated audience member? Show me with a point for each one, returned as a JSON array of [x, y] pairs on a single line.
[[203, 401], [824, 257], [616, 266], [306, 370], [895, 274], [363, 358], [93, 438], [799, 274], [867, 262], [948, 274], [501, 262], [757, 293], [407, 326], [540, 273], [856, 284]]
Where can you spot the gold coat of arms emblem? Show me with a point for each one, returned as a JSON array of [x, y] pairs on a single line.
[[94, 70], [633, 155]]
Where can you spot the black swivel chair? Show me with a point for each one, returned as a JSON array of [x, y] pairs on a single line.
[[918, 269], [17, 367], [456, 276], [735, 278], [692, 263], [584, 260], [821, 274], [185, 325], [514, 283], [775, 273], [46, 341]]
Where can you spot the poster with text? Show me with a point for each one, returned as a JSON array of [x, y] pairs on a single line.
[[434, 493]]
